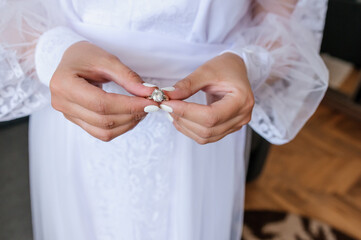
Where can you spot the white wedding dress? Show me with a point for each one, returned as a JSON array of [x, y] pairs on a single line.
[[153, 183]]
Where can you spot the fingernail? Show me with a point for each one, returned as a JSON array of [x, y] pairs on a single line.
[[151, 108], [166, 108], [168, 89], [170, 118], [149, 85]]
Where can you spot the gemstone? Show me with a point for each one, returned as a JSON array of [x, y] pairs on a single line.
[[158, 95]]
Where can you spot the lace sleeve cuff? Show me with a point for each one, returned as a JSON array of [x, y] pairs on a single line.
[[258, 63], [50, 49], [286, 73]]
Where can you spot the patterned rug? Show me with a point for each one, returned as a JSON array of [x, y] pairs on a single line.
[[269, 225]]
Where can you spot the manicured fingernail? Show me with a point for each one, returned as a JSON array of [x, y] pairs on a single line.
[[151, 108], [168, 89], [166, 108], [170, 118], [149, 85]]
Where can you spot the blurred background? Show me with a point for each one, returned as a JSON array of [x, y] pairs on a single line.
[[310, 188], [304, 190]]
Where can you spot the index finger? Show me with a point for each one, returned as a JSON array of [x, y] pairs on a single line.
[[97, 100]]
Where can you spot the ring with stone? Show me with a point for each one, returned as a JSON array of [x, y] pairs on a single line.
[[158, 96]]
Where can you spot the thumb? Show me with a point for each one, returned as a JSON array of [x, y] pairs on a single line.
[[188, 86]]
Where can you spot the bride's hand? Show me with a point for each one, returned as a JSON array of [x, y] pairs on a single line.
[[229, 96], [76, 93]]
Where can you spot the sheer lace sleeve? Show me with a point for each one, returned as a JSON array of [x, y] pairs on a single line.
[[22, 23], [28, 29], [279, 43]]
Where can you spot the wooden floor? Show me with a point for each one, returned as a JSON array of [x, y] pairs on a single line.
[[318, 174]]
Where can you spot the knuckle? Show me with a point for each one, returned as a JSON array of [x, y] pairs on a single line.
[[251, 101], [112, 59], [175, 117], [106, 136], [208, 69], [181, 113], [55, 104], [107, 123], [132, 109], [133, 125], [202, 141], [54, 85], [101, 65], [244, 120], [237, 127], [101, 106], [66, 116], [177, 127], [247, 119], [206, 133], [211, 121], [138, 117], [94, 68], [186, 84], [132, 75]]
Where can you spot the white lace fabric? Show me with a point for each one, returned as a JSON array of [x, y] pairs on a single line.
[[153, 182], [287, 75], [288, 81], [47, 56], [21, 25], [20, 95]]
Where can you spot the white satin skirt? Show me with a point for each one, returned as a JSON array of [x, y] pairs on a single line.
[[151, 183]]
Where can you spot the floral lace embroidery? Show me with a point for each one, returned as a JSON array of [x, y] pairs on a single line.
[[312, 15], [137, 165], [20, 94], [269, 116]]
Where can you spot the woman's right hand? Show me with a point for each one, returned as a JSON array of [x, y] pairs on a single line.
[[76, 93]]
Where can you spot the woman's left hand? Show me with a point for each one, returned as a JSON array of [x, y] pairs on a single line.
[[229, 96]]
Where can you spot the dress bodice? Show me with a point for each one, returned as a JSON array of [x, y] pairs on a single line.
[[203, 21], [169, 39], [166, 40]]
